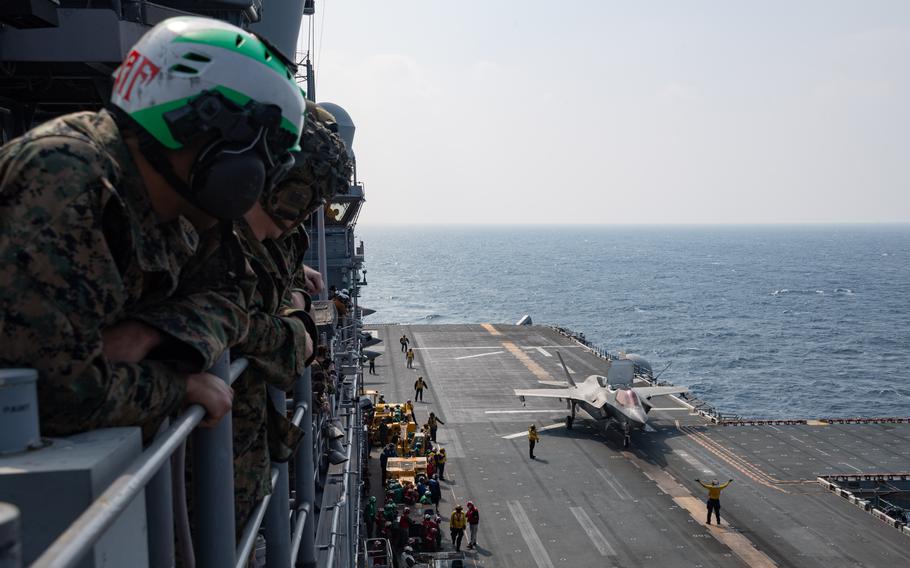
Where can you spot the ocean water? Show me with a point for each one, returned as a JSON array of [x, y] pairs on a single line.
[[766, 322]]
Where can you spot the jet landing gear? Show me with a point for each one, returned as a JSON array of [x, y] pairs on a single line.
[[570, 419], [626, 436]]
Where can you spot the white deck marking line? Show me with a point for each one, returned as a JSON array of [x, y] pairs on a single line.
[[681, 401], [594, 533], [543, 351], [535, 546], [520, 411], [851, 467], [695, 463], [479, 355], [615, 486], [488, 347], [459, 347], [525, 433]]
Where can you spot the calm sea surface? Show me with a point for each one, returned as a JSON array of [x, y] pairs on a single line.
[[771, 322]]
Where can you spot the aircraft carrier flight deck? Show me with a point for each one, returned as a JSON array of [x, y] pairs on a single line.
[[802, 492]]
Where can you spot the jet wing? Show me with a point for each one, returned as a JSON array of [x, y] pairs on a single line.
[[568, 394], [548, 393], [648, 392]]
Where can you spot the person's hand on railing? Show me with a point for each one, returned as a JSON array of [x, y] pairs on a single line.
[[212, 393], [312, 281], [129, 341]]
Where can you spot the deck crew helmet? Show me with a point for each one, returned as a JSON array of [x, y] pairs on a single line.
[[322, 169], [192, 76]]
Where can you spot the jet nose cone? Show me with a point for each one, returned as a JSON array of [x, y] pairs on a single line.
[[638, 415]]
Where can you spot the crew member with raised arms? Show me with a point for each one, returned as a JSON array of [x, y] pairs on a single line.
[[714, 497]]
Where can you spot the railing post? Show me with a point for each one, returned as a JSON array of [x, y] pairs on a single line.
[[10, 543], [213, 488], [277, 520], [159, 507], [304, 470]]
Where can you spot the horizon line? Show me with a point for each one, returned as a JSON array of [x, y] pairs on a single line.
[[617, 225]]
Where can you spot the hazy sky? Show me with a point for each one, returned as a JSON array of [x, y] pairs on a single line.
[[603, 112]]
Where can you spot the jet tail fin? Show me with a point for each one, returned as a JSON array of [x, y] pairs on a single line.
[[566, 369]]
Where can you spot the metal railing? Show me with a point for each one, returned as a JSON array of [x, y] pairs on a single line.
[[291, 527], [75, 542], [213, 495]]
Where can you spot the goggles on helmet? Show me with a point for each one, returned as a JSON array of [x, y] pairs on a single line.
[[322, 170], [292, 202]]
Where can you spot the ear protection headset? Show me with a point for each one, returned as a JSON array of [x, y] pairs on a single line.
[[245, 157]]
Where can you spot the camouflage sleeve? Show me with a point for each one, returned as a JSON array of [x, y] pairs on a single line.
[[208, 313], [58, 288], [278, 346]]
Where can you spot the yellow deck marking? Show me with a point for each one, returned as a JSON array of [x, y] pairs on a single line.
[[532, 365], [816, 423], [489, 327], [735, 541], [747, 468]]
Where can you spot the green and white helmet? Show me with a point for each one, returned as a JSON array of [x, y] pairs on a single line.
[[181, 58]]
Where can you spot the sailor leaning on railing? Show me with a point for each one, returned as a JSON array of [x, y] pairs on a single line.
[[138, 243]]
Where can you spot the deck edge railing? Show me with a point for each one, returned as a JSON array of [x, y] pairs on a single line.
[[76, 541], [291, 527]]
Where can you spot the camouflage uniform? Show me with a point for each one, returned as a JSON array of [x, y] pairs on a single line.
[[80, 248], [275, 348], [208, 313], [275, 344]]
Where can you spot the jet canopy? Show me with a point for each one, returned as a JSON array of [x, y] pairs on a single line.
[[627, 397]]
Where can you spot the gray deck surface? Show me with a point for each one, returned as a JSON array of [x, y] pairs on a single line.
[[587, 502]]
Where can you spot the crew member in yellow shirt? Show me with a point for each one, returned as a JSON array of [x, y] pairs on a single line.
[[457, 524], [533, 438], [714, 497]]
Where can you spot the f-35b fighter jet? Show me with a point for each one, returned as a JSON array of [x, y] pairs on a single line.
[[623, 405]]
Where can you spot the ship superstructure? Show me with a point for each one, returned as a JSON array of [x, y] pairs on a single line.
[[101, 498]]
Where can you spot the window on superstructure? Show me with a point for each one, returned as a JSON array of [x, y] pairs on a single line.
[[335, 212]]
